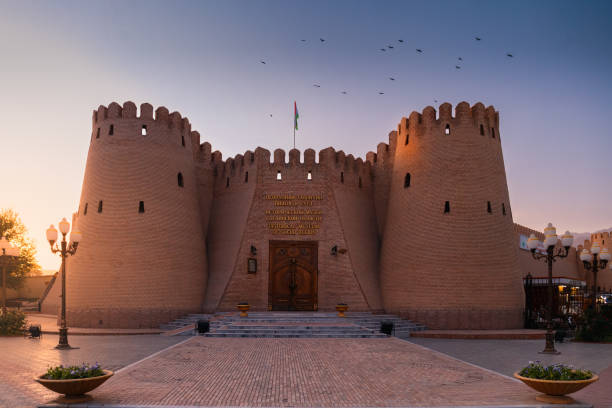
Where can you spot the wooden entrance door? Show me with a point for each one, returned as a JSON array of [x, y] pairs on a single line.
[[293, 275]]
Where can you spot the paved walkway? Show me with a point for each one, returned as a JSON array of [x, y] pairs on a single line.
[[22, 359], [307, 373], [508, 356]]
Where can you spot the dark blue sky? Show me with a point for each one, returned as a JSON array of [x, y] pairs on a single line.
[[60, 60]]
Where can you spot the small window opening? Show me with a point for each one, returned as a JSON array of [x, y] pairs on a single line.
[[447, 130], [85, 210], [407, 180], [489, 207], [279, 175], [309, 177], [481, 129], [407, 139], [360, 183], [183, 140], [180, 179], [342, 177], [446, 207], [143, 131], [503, 209], [141, 207], [493, 133], [98, 133], [227, 182], [111, 130], [100, 206], [246, 177]]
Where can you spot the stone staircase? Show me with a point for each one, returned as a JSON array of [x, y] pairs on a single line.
[[295, 325]]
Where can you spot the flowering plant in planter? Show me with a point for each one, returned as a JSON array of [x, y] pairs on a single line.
[[72, 372], [555, 372], [555, 381], [74, 381]]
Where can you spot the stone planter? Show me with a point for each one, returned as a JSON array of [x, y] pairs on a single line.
[[554, 391], [74, 389], [341, 308], [244, 308]]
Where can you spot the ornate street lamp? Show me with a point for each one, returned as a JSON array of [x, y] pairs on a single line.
[[590, 262], [65, 250], [550, 240], [8, 256]]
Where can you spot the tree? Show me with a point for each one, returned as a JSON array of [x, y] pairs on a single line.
[[13, 229]]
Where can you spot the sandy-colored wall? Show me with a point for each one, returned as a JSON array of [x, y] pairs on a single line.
[[137, 269], [455, 270], [32, 288], [337, 281]]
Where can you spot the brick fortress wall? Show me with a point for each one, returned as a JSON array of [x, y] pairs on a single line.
[[188, 251], [449, 256], [137, 269]]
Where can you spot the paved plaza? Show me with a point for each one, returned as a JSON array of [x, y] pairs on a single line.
[[22, 359], [257, 372], [504, 356]]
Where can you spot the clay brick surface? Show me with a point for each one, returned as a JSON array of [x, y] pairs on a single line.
[[188, 251]]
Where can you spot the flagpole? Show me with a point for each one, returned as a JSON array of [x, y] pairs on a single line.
[[294, 135]]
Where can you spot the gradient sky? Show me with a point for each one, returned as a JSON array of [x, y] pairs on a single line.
[[60, 60]]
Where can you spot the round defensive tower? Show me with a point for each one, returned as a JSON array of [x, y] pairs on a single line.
[[449, 256], [142, 259]]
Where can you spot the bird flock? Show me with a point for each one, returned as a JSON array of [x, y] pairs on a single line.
[[391, 48]]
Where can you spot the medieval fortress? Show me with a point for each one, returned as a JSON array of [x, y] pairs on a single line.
[[171, 228]]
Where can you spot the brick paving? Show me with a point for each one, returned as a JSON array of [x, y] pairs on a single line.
[[307, 373], [508, 356], [22, 359]]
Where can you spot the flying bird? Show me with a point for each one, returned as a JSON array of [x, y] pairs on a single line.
[[381, 93], [477, 38], [263, 62], [400, 41], [460, 59], [457, 67], [303, 40], [344, 92], [322, 39], [390, 46], [383, 49], [509, 55], [270, 115], [419, 50], [435, 101], [392, 79], [316, 86]]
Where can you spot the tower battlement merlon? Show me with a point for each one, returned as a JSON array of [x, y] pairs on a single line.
[[171, 124], [484, 120]]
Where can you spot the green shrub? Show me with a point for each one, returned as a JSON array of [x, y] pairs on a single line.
[[558, 372], [12, 323], [596, 326], [69, 373]]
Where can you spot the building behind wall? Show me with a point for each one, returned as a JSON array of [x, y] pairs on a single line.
[[170, 228]]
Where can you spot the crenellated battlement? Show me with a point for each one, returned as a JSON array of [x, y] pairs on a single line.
[[129, 111], [484, 121], [263, 158], [116, 121]]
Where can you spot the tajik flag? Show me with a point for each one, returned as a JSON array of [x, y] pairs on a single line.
[[296, 115]]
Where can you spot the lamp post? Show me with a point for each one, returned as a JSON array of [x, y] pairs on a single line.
[[64, 250], [8, 255], [590, 262], [550, 240]]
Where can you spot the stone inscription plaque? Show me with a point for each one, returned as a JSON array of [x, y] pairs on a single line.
[[293, 214]]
